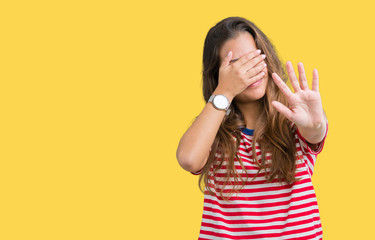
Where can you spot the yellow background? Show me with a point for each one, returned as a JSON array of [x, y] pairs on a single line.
[[95, 96]]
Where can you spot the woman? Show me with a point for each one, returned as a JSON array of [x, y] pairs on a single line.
[[255, 142]]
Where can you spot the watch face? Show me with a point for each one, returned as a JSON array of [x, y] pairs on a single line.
[[220, 101]]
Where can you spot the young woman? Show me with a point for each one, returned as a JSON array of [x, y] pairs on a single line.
[[255, 142]]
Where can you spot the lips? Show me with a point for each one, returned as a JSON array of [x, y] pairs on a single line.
[[256, 83]]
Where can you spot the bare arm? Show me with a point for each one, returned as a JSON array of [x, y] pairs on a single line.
[[193, 149]]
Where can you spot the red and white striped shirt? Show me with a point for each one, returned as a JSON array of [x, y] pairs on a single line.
[[264, 210]]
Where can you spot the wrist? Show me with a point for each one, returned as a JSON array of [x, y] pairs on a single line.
[[227, 94], [314, 134]]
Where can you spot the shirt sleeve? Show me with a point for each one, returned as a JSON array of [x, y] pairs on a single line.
[[197, 173], [309, 153], [200, 171], [306, 148]]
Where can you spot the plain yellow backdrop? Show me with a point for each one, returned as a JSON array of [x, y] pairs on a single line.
[[95, 96]]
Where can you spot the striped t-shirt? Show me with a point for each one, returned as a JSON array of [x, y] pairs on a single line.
[[264, 210]]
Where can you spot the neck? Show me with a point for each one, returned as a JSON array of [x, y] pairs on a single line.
[[250, 111]]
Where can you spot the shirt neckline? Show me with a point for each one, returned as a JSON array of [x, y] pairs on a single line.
[[248, 131]]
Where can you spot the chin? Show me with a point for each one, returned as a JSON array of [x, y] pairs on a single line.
[[255, 96]]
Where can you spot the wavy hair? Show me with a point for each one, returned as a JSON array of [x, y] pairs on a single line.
[[273, 132]]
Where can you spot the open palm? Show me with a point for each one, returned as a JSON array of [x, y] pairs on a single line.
[[305, 105]]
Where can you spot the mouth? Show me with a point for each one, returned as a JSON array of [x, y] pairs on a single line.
[[256, 83]]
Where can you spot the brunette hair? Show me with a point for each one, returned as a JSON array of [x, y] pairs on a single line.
[[273, 132]]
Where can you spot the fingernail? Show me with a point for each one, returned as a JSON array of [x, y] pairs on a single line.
[[229, 53], [258, 51]]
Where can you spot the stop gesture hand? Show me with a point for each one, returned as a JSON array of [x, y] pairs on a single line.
[[305, 104]]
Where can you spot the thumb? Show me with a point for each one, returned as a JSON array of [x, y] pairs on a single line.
[[226, 59], [283, 110]]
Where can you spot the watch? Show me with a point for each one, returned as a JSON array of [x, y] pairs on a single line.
[[220, 102]]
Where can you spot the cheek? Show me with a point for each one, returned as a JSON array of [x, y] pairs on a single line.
[[265, 73], [267, 78]]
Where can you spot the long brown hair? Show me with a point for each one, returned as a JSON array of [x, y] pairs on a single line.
[[273, 132]]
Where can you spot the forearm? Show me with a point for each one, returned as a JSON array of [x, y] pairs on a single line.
[[315, 135], [193, 149]]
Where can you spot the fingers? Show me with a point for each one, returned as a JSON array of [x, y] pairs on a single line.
[[257, 69], [292, 76], [255, 78], [302, 76], [226, 60], [281, 84], [247, 57], [283, 110], [315, 81], [253, 62]]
